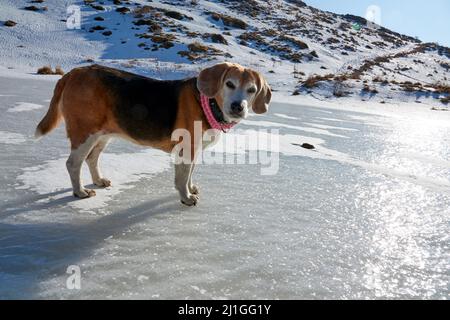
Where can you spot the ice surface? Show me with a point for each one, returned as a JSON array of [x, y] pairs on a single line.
[[11, 137], [25, 106], [364, 215], [124, 169]]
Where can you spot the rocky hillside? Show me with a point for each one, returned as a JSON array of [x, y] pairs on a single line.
[[302, 50]]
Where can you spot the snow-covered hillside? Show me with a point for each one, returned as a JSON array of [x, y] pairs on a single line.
[[302, 50]]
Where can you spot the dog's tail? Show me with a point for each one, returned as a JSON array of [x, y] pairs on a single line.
[[54, 115]]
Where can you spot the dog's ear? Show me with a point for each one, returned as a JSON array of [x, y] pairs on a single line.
[[210, 80], [264, 95]]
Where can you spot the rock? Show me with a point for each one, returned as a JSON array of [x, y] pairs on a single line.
[[107, 33], [174, 15], [314, 54], [10, 23], [304, 146], [31, 8], [123, 10], [218, 38]]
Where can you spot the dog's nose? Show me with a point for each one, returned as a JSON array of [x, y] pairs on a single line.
[[237, 106]]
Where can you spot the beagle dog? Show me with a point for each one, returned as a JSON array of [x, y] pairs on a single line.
[[98, 103]]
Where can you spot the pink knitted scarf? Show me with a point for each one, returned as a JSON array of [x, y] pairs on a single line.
[[210, 117]]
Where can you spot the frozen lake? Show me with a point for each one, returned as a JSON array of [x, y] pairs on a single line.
[[365, 215]]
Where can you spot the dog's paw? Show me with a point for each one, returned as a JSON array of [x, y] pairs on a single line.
[[190, 201], [84, 193], [103, 183], [194, 190]]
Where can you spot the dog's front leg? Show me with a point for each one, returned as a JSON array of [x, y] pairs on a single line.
[[191, 186], [182, 179]]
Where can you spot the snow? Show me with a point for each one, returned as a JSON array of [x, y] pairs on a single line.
[[25, 106]]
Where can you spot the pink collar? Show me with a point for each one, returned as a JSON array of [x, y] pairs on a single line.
[[210, 117]]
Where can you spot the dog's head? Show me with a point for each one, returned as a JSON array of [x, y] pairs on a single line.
[[236, 90]]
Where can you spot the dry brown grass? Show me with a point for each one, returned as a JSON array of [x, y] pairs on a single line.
[[199, 51], [59, 70], [47, 70], [163, 37], [442, 88], [177, 15], [161, 40], [340, 87], [381, 80], [445, 100], [140, 12], [198, 47], [217, 38], [97, 7], [229, 21], [367, 89], [122, 10], [313, 81], [408, 86], [252, 36], [298, 43]]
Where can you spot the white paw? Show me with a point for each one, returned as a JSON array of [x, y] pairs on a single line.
[[103, 183], [84, 193]]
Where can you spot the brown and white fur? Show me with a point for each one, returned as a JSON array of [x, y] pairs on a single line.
[[98, 103]]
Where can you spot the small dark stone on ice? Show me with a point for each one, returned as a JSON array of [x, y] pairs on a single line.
[[10, 23], [305, 146]]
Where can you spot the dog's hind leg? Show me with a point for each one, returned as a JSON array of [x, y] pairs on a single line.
[[92, 162], [182, 175], [74, 163]]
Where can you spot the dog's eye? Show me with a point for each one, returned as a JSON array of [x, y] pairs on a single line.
[[230, 85], [251, 90]]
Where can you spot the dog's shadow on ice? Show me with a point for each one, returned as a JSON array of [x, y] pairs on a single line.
[[44, 201], [36, 202], [36, 252]]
